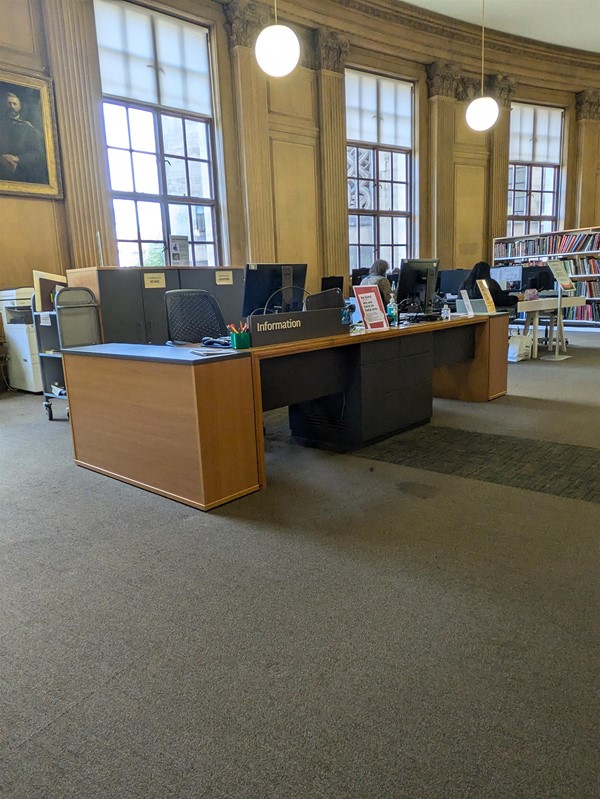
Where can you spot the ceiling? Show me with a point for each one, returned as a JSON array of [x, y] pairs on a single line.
[[571, 23]]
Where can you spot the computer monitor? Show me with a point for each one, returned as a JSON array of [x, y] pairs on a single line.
[[332, 282], [330, 298], [417, 282], [449, 281], [537, 277], [271, 288]]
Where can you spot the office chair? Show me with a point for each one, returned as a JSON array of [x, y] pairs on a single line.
[[193, 314]]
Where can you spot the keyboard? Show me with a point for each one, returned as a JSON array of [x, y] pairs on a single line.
[[419, 317]]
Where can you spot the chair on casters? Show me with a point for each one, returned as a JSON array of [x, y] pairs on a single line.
[[193, 314]]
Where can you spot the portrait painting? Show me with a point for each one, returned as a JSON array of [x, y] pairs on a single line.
[[28, 142]]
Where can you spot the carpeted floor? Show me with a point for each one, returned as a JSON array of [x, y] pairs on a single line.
[[563, 470], [359, 630]]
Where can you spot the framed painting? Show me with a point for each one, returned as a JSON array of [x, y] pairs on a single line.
[[28, 142]]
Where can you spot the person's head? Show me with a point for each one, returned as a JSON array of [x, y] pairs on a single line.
[[12, 104], [379, 267], [481, 271]]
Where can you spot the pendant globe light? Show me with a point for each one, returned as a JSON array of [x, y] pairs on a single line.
[[277, 49], [482, 112]]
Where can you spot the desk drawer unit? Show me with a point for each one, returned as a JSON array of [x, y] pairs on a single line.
[[390, 389]]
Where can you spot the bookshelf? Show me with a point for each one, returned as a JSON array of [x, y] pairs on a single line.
[[580, 252]]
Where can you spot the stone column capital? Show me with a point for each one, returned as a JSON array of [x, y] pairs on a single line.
[[244, 21], [443, 78], [588, 104], [330, 49], [501, 88]]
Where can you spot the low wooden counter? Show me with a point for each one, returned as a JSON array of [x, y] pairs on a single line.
[[164, 419]]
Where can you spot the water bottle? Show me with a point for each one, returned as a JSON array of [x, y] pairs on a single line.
[[392, 310], [446, 312]]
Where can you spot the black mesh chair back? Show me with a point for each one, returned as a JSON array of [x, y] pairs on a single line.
[[193, 314]]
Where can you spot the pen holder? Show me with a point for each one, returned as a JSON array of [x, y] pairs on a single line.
[[240, 341]]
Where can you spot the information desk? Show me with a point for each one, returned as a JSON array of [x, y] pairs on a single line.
[[191, 428]]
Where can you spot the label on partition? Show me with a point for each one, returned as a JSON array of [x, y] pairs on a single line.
[[154, 280], [467, 301], [45, 319], [487, 297], [371, 307], [224, 277], [561, 275]]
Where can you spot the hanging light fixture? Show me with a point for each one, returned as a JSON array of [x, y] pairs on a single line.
[[277, 49], [482, 112]]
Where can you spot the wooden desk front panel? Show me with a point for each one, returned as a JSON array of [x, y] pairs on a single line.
[[183, 431]]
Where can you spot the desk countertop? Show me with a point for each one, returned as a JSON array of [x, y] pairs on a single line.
[[549, 304], [158, 353]]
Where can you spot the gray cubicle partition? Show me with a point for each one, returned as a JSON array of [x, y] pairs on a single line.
[[225, 285]]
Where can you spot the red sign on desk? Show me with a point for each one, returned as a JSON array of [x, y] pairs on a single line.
[[371, 307]]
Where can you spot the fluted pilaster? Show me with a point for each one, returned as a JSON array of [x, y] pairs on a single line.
[[70, 39], [588, 158]]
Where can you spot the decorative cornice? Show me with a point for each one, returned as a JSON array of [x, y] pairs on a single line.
[[443, 78], [330, 49], [588, 104], [244, 21]]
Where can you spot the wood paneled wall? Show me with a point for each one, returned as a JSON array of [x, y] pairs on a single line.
[[282, 141]]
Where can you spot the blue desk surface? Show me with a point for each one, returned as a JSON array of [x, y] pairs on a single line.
[[158, 353]]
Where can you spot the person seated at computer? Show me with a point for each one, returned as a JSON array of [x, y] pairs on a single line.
[[481, 271], [377, 277]]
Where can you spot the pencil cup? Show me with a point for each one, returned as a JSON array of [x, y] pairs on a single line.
[[240, 341]]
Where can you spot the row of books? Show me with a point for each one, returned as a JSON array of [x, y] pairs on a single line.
[[589, 289], [548, 244], [587, 265], [585, 313]]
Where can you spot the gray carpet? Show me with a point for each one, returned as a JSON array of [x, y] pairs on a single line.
[[359, 630], [563, 470]]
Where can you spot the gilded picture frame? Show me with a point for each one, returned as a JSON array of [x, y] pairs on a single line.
[[28, 138]]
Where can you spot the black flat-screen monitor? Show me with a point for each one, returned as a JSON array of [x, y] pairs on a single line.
[[416, 283], [449, 281], [537, 277], [273, 288], [330, 298], [332, 282]]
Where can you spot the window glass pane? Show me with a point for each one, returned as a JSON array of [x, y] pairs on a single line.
[[367, 229], [385, 165], [385, 253], [395, 112], [385, 230], [129, 253], [153, 253], [172, 129], [145, 171], [361, 106], [546, 227], [366, 163], [197, 139], [520, 206], [534, 226], [518, 228], [115, 125], [204, 255], [150, 221], [536, 178], [400, 236], [125, 219], [547, 204], [366, 256], [366, 195], [510, 203], [179, 220], [351, 161], [550, 179], [352, 194], [353, 229], [141, 127], [535, 203], [183, 57], [399, 202], [200, 184], [119, 167], [176, 177], [399, 254], [385, 196], [353, 258], [399, 163], [202, 223]]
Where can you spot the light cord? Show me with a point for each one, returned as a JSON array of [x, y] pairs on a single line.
[[275, 4], [482, 40]]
